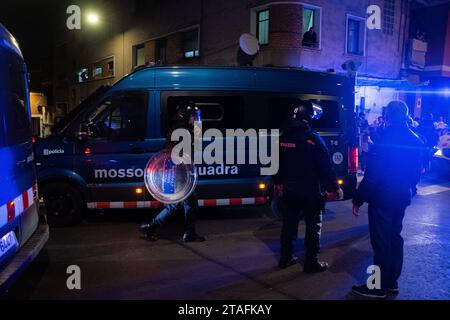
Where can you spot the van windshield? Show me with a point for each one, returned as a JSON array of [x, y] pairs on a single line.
[[60, 125]]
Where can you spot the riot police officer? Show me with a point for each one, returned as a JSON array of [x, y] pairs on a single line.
[[305, 171], [184, 118]]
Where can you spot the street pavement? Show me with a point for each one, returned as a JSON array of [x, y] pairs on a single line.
[[239, 259]]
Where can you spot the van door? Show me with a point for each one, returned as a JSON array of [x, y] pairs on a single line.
[[113, 158]]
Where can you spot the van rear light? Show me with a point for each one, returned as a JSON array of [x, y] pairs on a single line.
[[353, 160]]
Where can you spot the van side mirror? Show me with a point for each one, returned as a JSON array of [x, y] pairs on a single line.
[[83, 132]]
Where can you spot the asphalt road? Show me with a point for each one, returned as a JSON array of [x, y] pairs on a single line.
[[239, 259]]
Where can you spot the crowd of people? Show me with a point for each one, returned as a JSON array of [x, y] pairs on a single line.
[[434, 134]]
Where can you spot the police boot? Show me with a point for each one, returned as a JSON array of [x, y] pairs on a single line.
[[315, 266], [192, 236], [287, 262], [148, 231]]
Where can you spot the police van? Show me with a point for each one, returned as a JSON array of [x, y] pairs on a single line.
[[22, 235], [96, 156]]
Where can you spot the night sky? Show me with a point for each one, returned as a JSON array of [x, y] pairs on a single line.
[[33, 24]]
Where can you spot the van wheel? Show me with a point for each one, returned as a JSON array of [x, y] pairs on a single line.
[[64, 204]]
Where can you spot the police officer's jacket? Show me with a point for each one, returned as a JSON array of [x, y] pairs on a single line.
[[305, 166], [393, 169]]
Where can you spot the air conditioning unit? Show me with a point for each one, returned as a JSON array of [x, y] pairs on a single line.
[[417, 54]]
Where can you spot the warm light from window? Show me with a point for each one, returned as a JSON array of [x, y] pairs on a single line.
[[262, 186], [139, 190]]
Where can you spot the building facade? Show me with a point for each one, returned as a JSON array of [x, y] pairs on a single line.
[[130, 34], [429, 58], [41, 116]]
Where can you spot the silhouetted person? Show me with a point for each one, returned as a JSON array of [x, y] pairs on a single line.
[[429, 135], [310, 38], [393, 169], [183, 119], [305, 170]]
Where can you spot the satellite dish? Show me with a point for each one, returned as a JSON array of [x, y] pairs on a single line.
[[249, 44], [351, 66], [248, 49]]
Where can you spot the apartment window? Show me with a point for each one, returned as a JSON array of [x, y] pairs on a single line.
[[191, 44], [263, 26], [96, 71], [311, 26], [83, 75], [388, 17], [355, 35], [161, 48], [139, 55], [108, 67], [111, 67]]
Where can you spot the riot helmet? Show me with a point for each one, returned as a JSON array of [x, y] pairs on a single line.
[[304, 112], [187, 112]]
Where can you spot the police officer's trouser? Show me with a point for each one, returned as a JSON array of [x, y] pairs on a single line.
[[189, 207], [385, 225], [293, 210]]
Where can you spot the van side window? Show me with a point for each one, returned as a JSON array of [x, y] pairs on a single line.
[[17, 116], [279, 108], [122, 118], [221, 110], [331, 118]]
